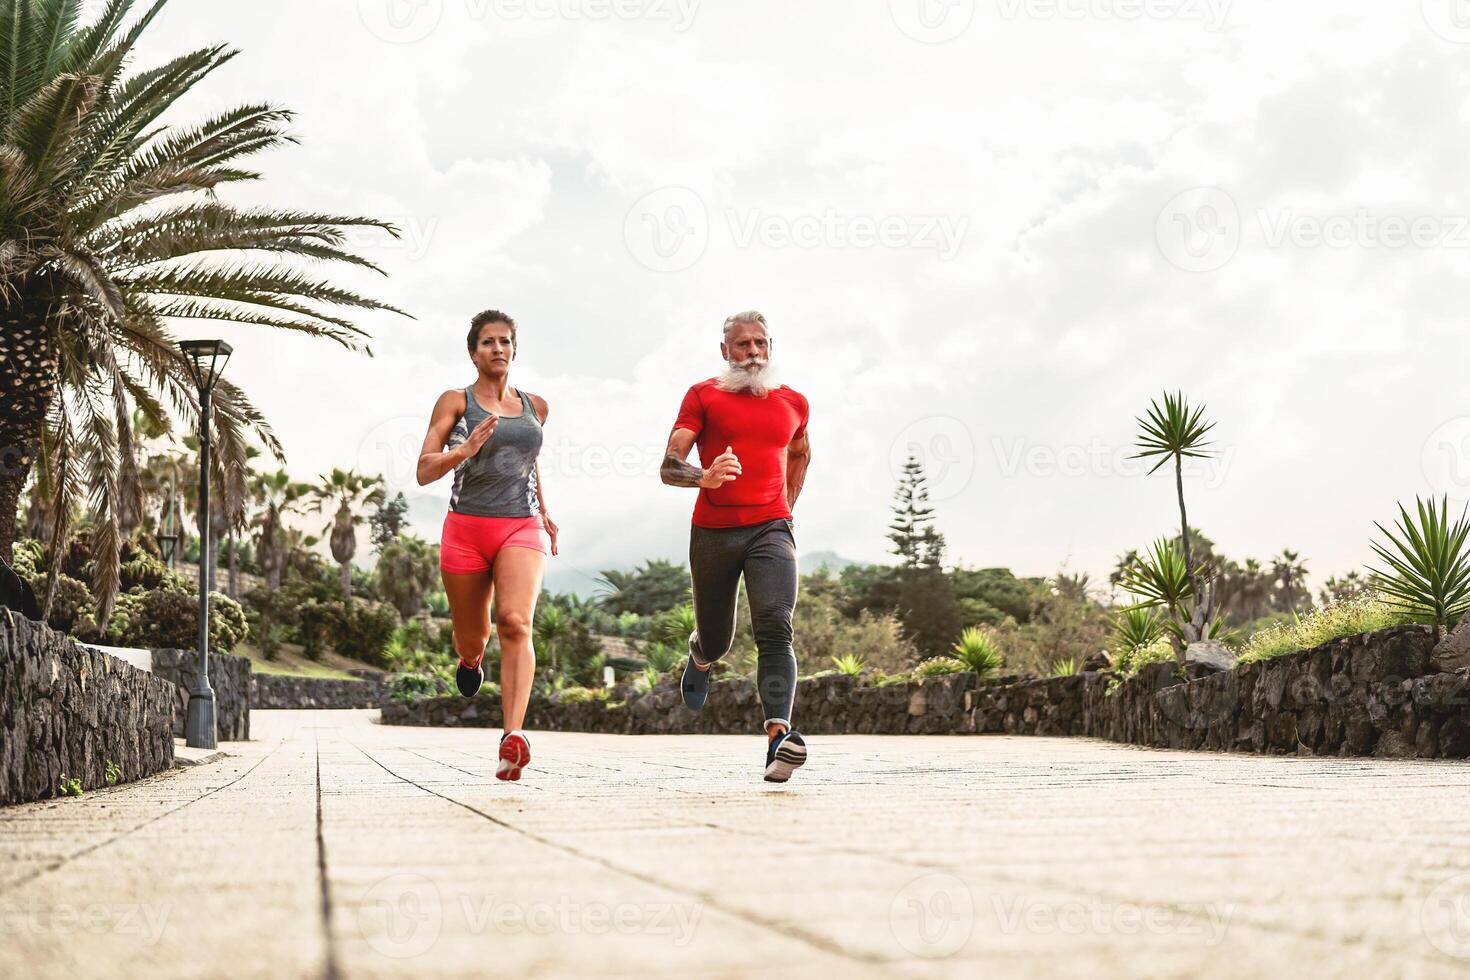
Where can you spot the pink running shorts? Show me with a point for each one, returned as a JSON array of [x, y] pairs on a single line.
[[469, 544]]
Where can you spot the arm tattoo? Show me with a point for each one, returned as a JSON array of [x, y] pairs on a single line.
[[678, 473]]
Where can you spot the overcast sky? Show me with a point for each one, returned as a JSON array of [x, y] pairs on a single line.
[[988, 229]]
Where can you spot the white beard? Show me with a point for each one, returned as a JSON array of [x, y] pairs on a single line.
[[754, 376]]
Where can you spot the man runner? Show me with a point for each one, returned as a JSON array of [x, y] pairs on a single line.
[[752, 441]]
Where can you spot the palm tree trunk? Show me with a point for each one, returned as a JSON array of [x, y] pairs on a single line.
[[1184, 526], [347, 581], [234, 566], [28, 379]]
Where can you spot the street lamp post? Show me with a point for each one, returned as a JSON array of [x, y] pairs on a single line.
[[205, 360]]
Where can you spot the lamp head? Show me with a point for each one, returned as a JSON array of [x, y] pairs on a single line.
[[205, 360]]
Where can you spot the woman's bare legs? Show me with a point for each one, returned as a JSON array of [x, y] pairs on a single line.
[[518, 583], [469, 609]]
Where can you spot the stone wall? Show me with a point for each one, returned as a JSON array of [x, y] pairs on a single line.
[[67, 709], [229, 676], [1374, 694], [288, 691]]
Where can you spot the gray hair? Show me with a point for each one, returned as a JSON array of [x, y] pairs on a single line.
[[749, 316]]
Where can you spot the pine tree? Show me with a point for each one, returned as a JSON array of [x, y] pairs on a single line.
[[915, 539], [927, 604]]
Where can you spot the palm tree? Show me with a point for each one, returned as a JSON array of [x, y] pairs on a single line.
[[350, 491], [1175, 432], [407, 570], [111, 228], [278, 495], [1290, 572], [551, 625]]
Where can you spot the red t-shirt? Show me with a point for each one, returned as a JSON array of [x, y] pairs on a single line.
[[759, 430]]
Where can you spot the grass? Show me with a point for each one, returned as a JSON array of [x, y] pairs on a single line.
[[290, 660], [1322, 625]]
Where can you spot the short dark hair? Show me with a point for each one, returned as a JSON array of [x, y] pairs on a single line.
[[484, 317]]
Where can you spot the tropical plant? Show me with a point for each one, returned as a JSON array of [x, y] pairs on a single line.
[[978, 650], [663, 658], [1428, 573], [1065, 668], [551, 626], [1348, 618], [648, 590], [111, 225], [1176, 432], [349, 491], [673, 627], [940, 666], [1291, 572], [1136, 627], [849, 664], [1160, 578], [1342, 589], [278, 495], [408, 568]]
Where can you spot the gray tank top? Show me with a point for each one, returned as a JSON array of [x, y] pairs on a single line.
[[499, 480]]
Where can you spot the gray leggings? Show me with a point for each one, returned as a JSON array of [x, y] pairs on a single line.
[[766, 555]]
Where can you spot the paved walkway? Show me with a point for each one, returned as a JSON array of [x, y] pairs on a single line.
[[335, 847]]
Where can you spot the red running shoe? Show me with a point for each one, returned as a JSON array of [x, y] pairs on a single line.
[[515, 753]]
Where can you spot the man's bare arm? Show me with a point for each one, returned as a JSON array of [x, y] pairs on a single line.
[[676, 471], [798, 457]]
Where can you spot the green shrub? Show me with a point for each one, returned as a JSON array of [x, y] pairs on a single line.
[[849, 664], [1128, 663], [408, 687], [1322, 625], [73, 600], [582, 695], [30, 558], [978, 651], [168, 618], [939, 666], [888, 680], [1065, 668], [366, 629]]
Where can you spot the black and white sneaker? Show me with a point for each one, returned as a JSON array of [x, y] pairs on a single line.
[[785, 755]]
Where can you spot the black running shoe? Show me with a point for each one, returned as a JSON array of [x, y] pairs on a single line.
[[469, 679], [785, 755]]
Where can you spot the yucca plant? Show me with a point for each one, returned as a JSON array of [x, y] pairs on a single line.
[[1428, 571], [1065, 668], [1136, 627], [1174, 431], [112, 227], [978, 650], [672, 627], [850, 664], [551, 625]]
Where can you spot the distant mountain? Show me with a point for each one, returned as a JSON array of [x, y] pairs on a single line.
[[831, 560]]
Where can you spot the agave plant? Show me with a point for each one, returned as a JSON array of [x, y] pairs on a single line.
[[1136, 627], [1160, 578], [1065, 668], [849, 664], [1428, 573], [113, 226], [978, 650]]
